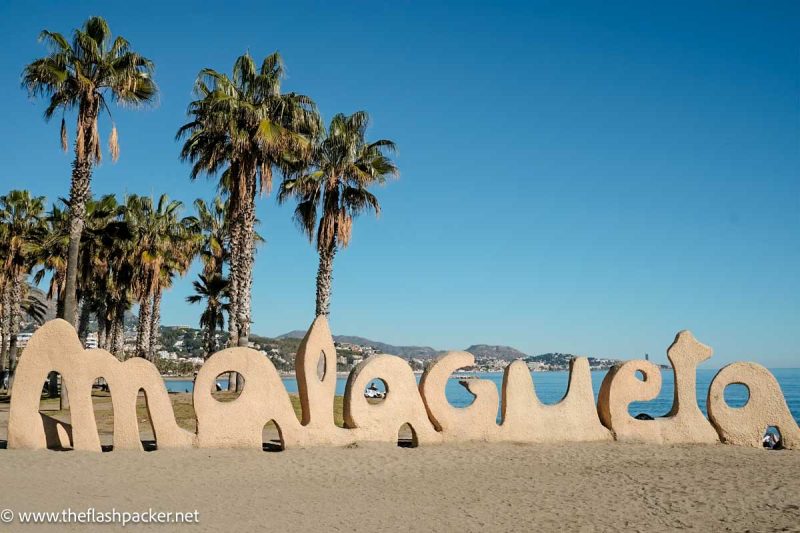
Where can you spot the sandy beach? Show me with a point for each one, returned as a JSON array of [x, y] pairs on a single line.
[[452, 487], [466, 487]]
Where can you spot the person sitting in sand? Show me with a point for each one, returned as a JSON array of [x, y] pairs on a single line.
[[770, 441]]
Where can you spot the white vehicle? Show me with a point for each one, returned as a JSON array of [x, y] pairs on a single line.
[[373, 392]]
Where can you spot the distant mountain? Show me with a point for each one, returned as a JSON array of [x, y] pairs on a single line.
[[288, 343], [294, 334], [487, 351], [409, 352], [418, 352]]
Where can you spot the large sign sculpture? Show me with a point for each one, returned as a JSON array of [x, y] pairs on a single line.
[[684, 423], [523, 418]]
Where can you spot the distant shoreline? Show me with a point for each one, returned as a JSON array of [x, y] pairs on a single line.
[[293, 375], [190, 377]]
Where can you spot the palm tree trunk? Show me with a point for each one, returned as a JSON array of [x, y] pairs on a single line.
[[109, 332], [143, 332], [211, 333], [233, 281], [59, 292], [114, 339], [83, 321], [234, 289], [16, 315], [118, 333], [5, 324], [78, 195], [233, 295], [245, 272], [245, 277], [325, 280], [155, 324], [102, 338]]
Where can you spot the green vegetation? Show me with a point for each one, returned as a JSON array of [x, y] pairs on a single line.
[[104, 256], [86, 74], [334, 189]]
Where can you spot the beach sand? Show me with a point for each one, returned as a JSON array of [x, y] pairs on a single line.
[[452, 487], [463, 487]]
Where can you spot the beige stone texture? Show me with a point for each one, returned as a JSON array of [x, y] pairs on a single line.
[[317, 355], [574, 419], [478, 421], [56, 347], [240, 423], [746, 425], [380, 422], [684, 423]]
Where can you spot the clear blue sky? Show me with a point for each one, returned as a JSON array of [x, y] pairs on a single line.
[[588, 178]]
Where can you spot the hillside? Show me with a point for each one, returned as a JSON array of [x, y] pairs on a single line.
[[409, 352], [186, 341], [486, 351]]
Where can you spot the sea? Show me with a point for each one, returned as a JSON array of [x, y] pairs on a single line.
[[552, 386]]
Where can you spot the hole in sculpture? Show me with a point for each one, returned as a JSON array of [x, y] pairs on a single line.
[[457, 392], [407, 437], [321, 366], [103, 413], [736, 395], [52, 384], [220, 394], [376, 391], [272, 437], [661, 405], [772, 439], [147, 431], [229, 381], [56, 422]]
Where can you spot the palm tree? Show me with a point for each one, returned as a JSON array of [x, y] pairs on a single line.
[[117, 283], [33, 306], [50, 252], [242, 127], [162, 247], [212, 225], [5, 296], [213, 290], [22, 217], [333, 189], [181, 246], [86, 75], [103, 227]]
